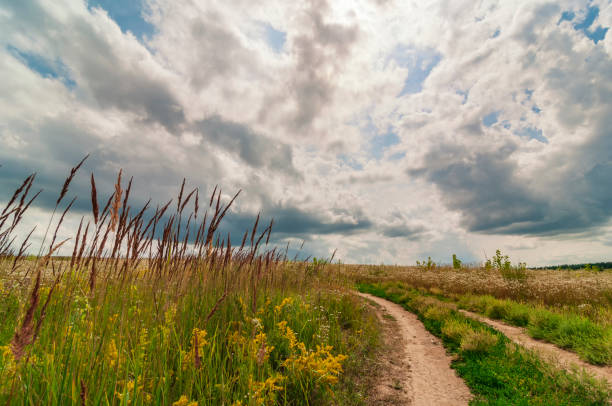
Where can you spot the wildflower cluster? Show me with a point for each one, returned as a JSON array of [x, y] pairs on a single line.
[[320, 363]]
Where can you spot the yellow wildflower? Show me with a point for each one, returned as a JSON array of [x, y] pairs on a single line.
[[8, 359], [184, 401], [197, 336], [260, 348], [235, 338], [286, 302], [112, 353], [264, 392], [320, 363], [288, 333]]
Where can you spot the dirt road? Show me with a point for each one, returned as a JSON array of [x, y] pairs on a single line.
[[428, 379]]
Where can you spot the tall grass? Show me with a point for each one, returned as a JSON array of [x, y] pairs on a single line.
[[157, 307]]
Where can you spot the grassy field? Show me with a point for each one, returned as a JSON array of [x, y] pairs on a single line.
[[158, 307]]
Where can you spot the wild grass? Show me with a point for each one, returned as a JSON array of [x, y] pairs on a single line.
[[157, 307], [585, 293], [591, 340], [496, 371]]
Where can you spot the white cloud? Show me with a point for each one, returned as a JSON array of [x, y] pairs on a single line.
[[207, 98]]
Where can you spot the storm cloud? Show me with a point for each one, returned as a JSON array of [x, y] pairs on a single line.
[[358, 126]]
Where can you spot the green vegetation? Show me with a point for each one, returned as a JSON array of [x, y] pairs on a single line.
[[597, 266], [159, 309], [456, 262], [592, 341], [502, 264], [426, 265], [496, 371]]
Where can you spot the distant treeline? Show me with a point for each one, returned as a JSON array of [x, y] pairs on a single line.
[[594, 265]]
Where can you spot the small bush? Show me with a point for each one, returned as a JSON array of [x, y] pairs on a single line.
[[543, 323], [599, 351], [497, 311], [456, 262], [478, 341], [454, 329], [422, 303], [438, 313], [518, 315]]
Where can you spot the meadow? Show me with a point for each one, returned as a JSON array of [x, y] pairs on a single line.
[[157, 306]]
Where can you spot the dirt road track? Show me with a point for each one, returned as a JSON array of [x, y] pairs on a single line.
[[429, 379], [565, 359]]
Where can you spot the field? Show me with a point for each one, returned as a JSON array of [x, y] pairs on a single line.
[[157, 307]]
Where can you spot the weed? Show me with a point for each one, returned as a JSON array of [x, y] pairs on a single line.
[[478, 341]]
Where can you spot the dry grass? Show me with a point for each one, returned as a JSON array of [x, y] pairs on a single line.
[[548, 287]]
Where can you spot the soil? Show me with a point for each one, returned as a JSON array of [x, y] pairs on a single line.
[[415, 369]]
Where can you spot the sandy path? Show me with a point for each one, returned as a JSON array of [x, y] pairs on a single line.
[[429, 378], [563, 358]]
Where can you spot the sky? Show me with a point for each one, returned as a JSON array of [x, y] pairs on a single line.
[[388, 130]]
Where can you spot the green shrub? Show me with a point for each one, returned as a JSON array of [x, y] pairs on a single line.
[[438, 313], [518, 315], [454, 329], [456, 262], [543, 323], [497, 311], [478, 341]]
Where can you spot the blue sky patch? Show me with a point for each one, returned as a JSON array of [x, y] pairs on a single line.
[[419, 63], [44, 67], [380, 143], [397, 156], [496, 33], [506, 124], [592, 12], [536, 109], [274, 38], [465, 95], [567, 16], [350, 162], [532, 133], [127, 14], [491, 118]]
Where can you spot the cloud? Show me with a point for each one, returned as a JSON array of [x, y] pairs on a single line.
[[254, 149], [403, 231], [483, 186], [319, 54], [501, 134]]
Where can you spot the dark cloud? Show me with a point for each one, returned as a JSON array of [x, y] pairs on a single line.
[[473, 127], [483, 186], [320, 55], [255, 149], [57, 144], [96, 64], [540, 17], [293, 221], [486, 188], [412, 233], [115, 83]]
